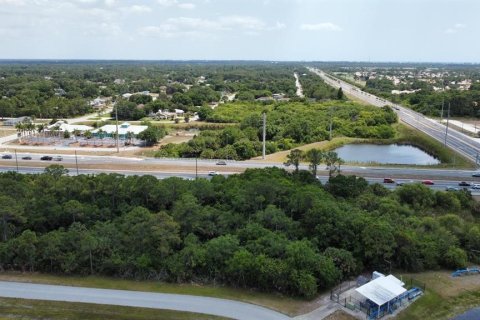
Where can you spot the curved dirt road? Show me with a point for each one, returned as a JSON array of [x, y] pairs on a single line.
[[214, 306]]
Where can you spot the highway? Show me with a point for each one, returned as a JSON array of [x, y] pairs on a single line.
[[459, 142], [189, 169], [213, 306]]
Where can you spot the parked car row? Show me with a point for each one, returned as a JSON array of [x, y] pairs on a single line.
[[43, 158]]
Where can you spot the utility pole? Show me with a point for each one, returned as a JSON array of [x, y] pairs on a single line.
[[116, 133], [441, 114], [76, 161], [16, 159], [331, 123], [446, 129], [196, 168], [264, 134]]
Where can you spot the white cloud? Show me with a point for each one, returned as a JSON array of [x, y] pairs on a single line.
[[109, 3], [12, 2], [137, 9], [188, 6], [456, 28], [167, 3], [205, 27], [177, 4], [324, 26]]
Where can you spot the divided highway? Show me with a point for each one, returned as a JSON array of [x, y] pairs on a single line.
[[189, 168], [459, 142]]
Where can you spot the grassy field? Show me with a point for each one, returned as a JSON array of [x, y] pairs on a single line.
[[280, 303], [53, 310], [445, 296]]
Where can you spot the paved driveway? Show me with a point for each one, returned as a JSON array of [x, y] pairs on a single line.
[[214, 306]]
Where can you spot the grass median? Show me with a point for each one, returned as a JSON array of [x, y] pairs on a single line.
[[53, 310]]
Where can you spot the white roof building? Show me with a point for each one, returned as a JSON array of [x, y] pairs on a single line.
[[63, 126], [123, 129], [382, 289]]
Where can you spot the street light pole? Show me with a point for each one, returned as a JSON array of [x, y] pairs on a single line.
[[76, 161], [446, 129], [264, 134], [116, 133], [16, 159]]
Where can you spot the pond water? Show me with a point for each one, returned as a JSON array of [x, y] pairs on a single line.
[[385, 154], [469, 315]]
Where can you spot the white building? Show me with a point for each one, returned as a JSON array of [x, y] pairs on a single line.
[[63, 126], [124, 128]]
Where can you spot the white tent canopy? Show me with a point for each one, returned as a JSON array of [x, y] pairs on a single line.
[[382, 289]]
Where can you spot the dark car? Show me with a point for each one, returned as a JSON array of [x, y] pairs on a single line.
[[27, 158], [7, 156], [221, 163], [428, 182], [464, 184], [388, 180], [46, 158]]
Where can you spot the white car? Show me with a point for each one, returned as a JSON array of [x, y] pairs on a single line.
[[476, 186], [213, 173]]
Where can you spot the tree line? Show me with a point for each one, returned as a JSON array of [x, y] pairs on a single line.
[[268, 229], [288, 126]]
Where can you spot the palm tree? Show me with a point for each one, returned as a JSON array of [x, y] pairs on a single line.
[[294, 158], [129, 137], [315, 157], [41, 129], [332, 159], [20, 130], [100, 134]]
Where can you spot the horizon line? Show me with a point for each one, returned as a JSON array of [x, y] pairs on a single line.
[[233, 60]]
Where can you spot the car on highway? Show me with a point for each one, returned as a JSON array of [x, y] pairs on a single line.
[[388, 180], [58, 158], [221, 163], [27, 158], [464, 184], [476, 174], [452, 189], [46, 158], [402, 183], [213, 173], [476, 186], [428, 182], [7, 156]]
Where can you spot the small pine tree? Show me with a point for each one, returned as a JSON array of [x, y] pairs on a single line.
[[340, 94]]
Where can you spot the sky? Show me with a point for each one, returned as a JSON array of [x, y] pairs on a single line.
[[281, 30]]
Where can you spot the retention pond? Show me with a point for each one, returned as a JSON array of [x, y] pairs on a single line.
[[385, 154]]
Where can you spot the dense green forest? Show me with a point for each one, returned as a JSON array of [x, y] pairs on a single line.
[[55, 90], [266, 228], [288, 125]]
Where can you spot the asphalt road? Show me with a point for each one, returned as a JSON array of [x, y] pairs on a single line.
[[185, 168], [213, 306], [456, 140]]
